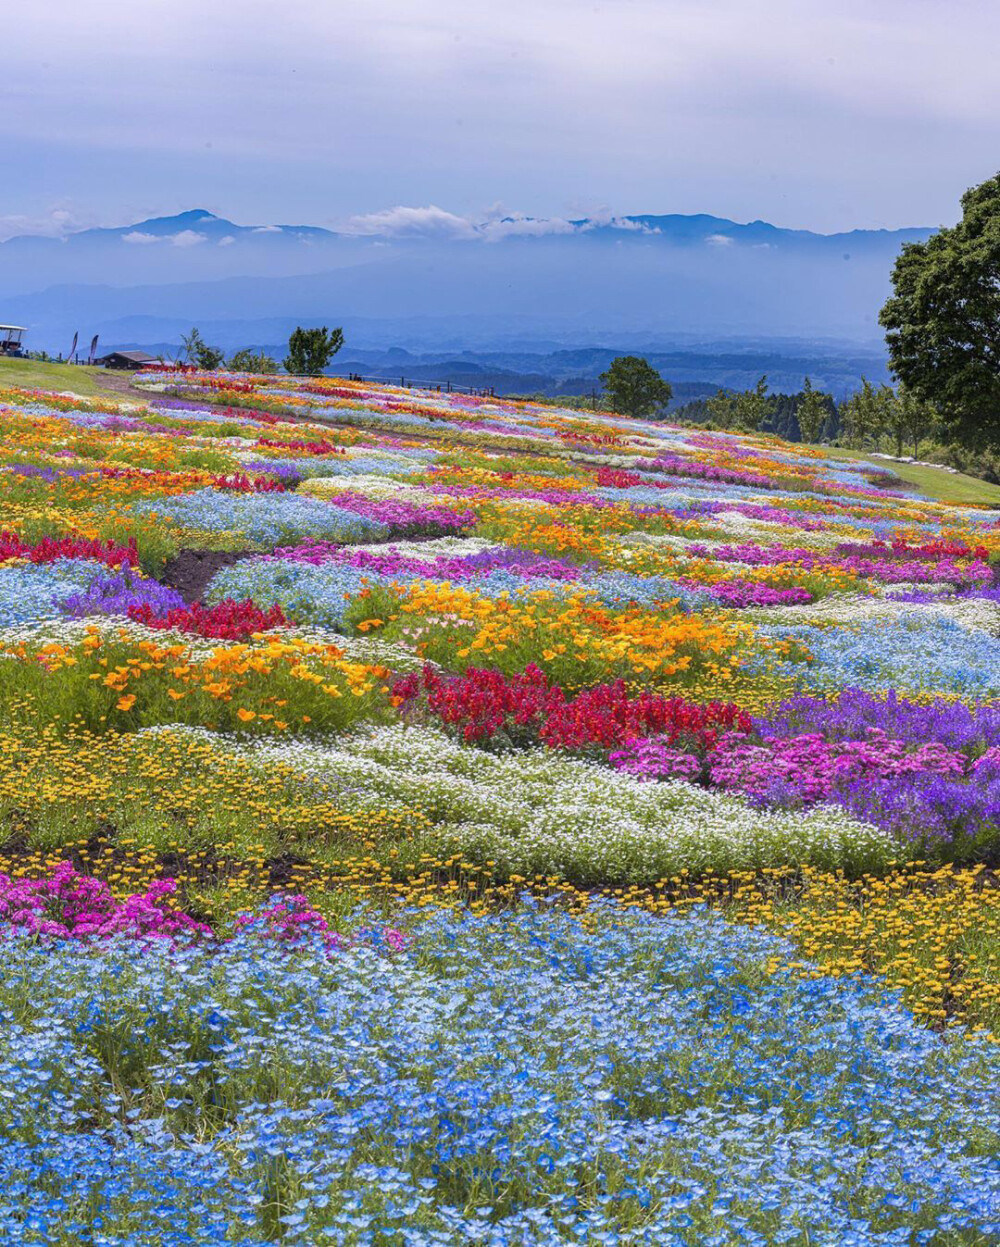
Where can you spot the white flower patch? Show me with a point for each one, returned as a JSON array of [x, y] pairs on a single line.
[[976, 614], [378, 488], [70, 632], [662, 541], [539, 812], [433, 548], [770, 532]]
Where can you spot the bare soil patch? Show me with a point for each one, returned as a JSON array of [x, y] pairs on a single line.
[[190, 572]]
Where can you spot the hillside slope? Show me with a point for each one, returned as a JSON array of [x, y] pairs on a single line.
[[401, 748]]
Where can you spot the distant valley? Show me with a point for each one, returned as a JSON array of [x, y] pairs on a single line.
[[520, 304]]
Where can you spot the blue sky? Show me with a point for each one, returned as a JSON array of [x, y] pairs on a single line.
[[824, 115]]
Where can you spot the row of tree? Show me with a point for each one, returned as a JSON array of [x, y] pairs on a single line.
[[309, 352], [868, 418], [755, 410], [871, 417], [875, 412]]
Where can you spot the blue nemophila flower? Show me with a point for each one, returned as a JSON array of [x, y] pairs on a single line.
[[30, 592], [909, 651], [265, 519], [506, 1080]]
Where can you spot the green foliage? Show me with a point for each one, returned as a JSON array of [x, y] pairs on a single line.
[[721, 409], [249, 360], [811, 412], [753, 406], [205, 460], [866, 414], [742, 409], [77, 698], [942, 321], [634, 387], [199, 352], [310, 350], [910, 419]]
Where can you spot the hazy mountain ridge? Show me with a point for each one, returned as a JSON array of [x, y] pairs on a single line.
[[198, 245], [438, 285]]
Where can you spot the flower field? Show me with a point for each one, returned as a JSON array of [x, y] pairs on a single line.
[[428, 819]]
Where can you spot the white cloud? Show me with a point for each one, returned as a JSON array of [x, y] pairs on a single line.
[[629, 223], [719, 240], [186, 238], [606, 219], [55, 223], [519, 226], [435, 222], [400, 221]]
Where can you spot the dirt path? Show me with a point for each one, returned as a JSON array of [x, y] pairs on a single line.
[[120, 385]]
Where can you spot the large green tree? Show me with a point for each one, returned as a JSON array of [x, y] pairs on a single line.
[[942, 321], [634, 387], [310, 350]]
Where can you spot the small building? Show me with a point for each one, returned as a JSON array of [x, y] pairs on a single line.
[[132, 360], [11, 339]]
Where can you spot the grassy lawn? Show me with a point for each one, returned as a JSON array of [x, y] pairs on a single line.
[[31, 374], [933, 482]]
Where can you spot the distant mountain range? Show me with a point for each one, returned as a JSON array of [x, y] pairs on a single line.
[[428, 281]]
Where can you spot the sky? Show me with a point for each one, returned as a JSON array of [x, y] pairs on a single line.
[[825, 115]]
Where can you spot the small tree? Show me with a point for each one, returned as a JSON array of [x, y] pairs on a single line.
[[753, 406], [866, 414], [310, 350], [722, 409], [192, 343], [811, 412], [248, 360], [910, 419], [199, 352], [634, 387]]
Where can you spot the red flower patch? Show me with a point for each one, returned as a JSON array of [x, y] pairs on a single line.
[[226, 621], [526, 708]]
